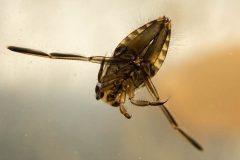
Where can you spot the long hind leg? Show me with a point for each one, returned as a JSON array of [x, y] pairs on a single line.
[[66, 56]]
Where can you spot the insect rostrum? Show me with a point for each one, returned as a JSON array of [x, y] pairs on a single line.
[[136, 59]]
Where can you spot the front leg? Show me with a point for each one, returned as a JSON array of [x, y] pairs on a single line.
[[121, 106], [124, 111]]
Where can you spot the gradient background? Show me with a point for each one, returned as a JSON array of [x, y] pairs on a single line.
[[48, 108]]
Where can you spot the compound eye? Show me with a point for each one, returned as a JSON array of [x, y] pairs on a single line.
[[97, 89], [99, 93]]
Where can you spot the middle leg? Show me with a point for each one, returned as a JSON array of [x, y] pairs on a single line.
[[170, 119], [168, 115]]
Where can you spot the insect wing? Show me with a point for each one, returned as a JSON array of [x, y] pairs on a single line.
[[149, 42], [157, 50], [140, 38]]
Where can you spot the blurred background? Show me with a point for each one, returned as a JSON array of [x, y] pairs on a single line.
[[48, 108]]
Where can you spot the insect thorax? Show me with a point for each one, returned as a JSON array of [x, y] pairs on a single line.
[[143, 52]]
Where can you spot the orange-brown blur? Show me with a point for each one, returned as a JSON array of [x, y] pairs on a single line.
[[205, 91]]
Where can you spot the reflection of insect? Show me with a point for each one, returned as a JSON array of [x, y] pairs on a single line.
[[135, 61]]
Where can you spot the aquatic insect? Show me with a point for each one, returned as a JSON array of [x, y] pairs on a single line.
[[136, 59]]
